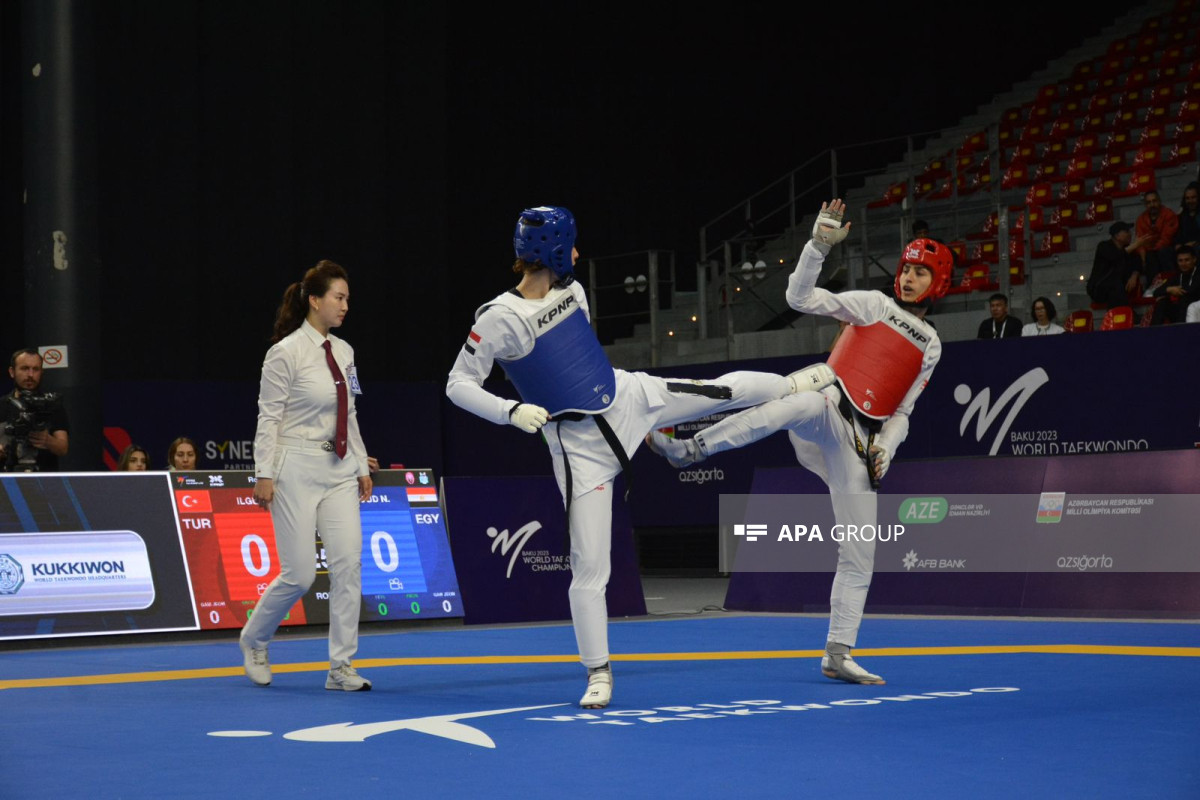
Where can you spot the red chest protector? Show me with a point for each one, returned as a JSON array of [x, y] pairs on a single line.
[[877, 364]]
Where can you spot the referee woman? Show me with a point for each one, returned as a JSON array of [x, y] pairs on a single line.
[[311, 468]]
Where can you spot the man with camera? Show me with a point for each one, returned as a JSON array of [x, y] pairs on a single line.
[[34, 429]]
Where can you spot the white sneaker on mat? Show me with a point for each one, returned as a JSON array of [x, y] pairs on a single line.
[[258, 666], [346, 679]]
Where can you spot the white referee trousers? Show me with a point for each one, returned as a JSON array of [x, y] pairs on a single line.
[[315, 491], [824, 443]]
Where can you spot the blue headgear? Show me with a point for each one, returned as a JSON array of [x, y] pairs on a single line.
[[546, 234]]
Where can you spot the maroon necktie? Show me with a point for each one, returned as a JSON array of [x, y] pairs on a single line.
[[339, 442]]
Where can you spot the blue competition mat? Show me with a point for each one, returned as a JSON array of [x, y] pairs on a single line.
[[704, 707]]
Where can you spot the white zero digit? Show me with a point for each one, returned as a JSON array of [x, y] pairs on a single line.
[[215, 616], [446, 606], [378, 538], [263, 555]]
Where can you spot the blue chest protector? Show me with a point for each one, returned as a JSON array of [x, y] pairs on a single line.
[[567, 370]]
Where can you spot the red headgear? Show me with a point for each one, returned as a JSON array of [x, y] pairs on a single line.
[[937, 258]]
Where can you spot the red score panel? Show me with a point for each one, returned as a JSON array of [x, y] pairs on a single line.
[[230, 546]]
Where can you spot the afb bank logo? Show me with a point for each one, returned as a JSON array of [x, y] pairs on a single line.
[[512, 542], [985, 413], [12, 576]]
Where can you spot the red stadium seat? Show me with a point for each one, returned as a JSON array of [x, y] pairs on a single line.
[[1181, 153], [1095, 123], [1153, 134], [1087, 144], [1098, 211], [1107, 185], [1015, 176], [894, 194], [1075, 189], [1052, 242], [1080, 166], [1189, 109], [975, 143], [1187, 131], [979, 279], [985, 251], [1040, 194], [1079, 322], [1140, 181], [1069, 216], [988, 231], [1016, 220], [1043, 218], [1148, 156], [1016, 272], [1117, 319]]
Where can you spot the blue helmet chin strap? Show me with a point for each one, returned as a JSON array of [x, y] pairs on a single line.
[[546, 235]]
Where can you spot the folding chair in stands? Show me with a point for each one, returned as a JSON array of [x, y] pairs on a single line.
[[1117, 319], [1079, 322]]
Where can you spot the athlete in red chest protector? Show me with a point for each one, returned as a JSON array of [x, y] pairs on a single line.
[[847, 426]]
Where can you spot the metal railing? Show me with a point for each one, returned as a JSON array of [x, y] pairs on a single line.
[[630, 288]]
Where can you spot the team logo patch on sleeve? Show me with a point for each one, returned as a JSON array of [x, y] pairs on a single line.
[[472, 340]]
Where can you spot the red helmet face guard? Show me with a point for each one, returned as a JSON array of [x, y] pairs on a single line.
[[934, 256]]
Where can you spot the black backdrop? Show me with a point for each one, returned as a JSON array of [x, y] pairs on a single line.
[[240, 142]]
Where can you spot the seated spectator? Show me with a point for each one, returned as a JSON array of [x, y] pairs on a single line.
[[1189, 218], [1156, 229], [999, 325], [1174, 297], [134, 459], [1116, 268], [1043, 324], [181, 455]]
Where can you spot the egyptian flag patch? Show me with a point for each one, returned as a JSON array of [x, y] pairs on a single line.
[[472, 340]]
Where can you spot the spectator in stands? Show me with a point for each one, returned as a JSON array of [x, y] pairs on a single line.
[[1043, 324], [181, 455], [1116, 268], [1183, 289], [134, 459], [1156, 229], [1000, 325], [1189, 218]]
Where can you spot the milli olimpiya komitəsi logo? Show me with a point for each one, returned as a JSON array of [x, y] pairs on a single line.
[[12, 576]]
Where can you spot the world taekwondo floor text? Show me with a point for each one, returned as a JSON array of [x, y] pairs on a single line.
[[717, 706]]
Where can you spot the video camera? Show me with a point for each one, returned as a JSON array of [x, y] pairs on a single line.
[[34, 410]]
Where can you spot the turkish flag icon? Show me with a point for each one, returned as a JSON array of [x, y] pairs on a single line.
[[193, 501]]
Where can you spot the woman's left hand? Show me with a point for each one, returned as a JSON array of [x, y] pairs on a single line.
[[364, 488]]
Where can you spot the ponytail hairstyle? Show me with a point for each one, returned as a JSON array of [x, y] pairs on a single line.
[[294, 308]]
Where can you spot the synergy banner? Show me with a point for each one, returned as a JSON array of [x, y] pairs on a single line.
[[1044, 532], [84, 554]]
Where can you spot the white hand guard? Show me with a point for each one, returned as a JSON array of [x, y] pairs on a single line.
[[828, 230], [881, 459], [812, 379], [528, 417]]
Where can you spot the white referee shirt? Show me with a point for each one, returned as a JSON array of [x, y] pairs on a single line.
[[297, 398]]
